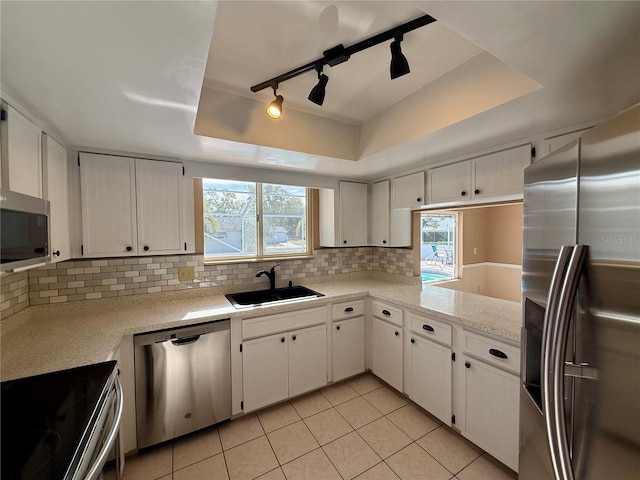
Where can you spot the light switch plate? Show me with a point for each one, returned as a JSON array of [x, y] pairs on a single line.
[[186, 274]]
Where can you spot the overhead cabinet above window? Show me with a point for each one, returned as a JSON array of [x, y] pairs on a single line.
[[343, 216], [497, 176], [131, 206], [21, 154]]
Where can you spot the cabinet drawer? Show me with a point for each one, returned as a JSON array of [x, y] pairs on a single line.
[[347, 309], [492, 351], [282, 322], [430, 328], [387, 312]]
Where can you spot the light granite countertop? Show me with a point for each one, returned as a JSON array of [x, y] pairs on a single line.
[[47, 338]]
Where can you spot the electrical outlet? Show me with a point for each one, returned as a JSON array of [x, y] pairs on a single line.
[[186, 274]]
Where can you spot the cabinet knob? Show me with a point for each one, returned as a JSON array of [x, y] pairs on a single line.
[[419, 199], [128, 249], [413, 340], [476, 191], [344, 241], [146, 248], [337, 327], [463, 193], [384, 241], [397, 333], [282, 340], [467, 364], [293, 338], [57, 253]]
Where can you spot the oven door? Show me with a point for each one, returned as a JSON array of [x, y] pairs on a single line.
[[103, 438]]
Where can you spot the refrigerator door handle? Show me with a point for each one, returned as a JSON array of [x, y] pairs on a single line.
[[554, 371]]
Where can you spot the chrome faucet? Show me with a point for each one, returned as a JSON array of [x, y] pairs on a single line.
[[271, 274]]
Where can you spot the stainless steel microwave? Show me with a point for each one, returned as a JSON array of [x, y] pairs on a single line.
[[24, 236]]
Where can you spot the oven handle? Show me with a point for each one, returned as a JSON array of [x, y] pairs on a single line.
[[96, 468]]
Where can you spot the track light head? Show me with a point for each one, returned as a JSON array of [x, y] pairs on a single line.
[[274, 109], [399, 64], [317, 93]]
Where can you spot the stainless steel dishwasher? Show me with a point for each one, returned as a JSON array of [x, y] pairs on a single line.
[[183, 380]]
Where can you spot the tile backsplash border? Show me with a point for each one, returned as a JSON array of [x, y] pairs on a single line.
[[87, 279]]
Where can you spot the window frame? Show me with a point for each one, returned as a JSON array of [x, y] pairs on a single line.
[[260, 254], [457, 238]]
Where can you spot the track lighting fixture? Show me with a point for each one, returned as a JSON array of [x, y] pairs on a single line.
[[339, 54], [399, 65], [317, 93], [274, 109]]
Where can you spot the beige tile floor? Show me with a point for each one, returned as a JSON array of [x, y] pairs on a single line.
[[359, 428]]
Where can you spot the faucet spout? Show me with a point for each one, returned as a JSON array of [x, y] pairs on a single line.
[[271, 274]]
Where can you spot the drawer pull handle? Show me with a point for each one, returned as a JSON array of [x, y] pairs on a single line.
[[498, 353], [338, 327], [428, 328], [467, 364], [348, 309], [386, 312], [397, 333]]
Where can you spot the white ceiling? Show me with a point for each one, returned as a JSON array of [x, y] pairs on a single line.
[[128, 76]]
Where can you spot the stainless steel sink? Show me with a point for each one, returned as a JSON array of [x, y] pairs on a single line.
[[260, 297]]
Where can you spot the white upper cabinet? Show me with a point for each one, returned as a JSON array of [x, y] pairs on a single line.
[[498, 176], [343, 216], [158, 191], [500, 173], [450, 183], [130, 206], [388, 227], [408, 191], [55, 174], [553, 143], [21, 154]]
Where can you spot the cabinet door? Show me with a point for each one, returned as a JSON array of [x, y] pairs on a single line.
[[408, 191], [265, 376], [451, 183], [492, 410], [386, 346], [159, 207], [431, 377], [380, 214], [307, 359], [348, 348], [108, 205], [353, 214], [23, 154], [55, 172], [501, 173]]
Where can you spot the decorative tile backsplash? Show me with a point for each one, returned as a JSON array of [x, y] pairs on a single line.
[[77, 280], [14, 293]]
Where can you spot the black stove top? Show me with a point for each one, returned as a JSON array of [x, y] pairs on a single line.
[[44, 420]]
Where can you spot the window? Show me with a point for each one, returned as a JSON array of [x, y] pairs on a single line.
[[253, 220], [438, 246]]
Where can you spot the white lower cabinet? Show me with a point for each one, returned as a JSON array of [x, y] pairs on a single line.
[[431, 377], [307, 359], [265, 372], [491, 403], [348, 348], [279, 366], [386, 354]]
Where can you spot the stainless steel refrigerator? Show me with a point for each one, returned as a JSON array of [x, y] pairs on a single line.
[[580, 395]]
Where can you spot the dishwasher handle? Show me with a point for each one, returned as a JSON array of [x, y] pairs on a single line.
[[185, 340]]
